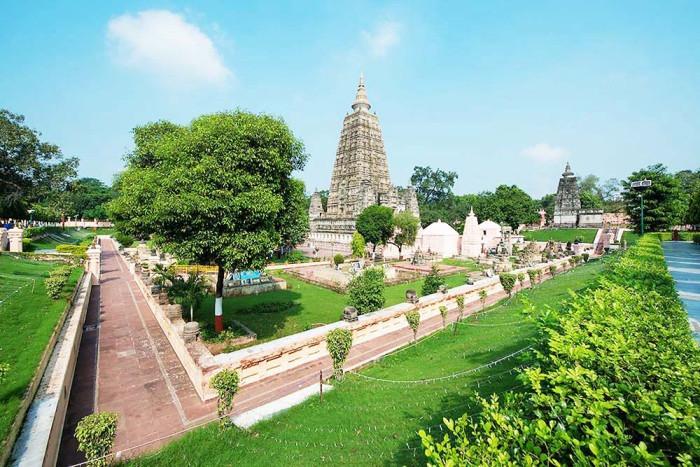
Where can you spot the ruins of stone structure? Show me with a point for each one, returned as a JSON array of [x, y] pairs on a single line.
[[360, 179], [567, 207]]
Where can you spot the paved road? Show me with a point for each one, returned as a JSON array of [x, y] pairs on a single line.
[[683, 259], [127, 365]]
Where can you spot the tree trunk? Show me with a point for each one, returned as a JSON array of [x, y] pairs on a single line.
[[219, 301], [400, 257]]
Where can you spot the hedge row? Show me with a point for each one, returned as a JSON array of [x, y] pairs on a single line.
[[615, 380]]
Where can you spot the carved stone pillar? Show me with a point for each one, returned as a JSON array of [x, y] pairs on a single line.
[[15, 237], [93, 254]]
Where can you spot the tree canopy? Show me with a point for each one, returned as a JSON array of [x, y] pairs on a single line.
[[405, 229], [376, 224], [32, 172], [665, 204], [432, 186], [218, 191]]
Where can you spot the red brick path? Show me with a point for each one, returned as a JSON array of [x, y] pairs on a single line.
[[132, 369]]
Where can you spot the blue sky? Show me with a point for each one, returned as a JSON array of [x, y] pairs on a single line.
[[500, 92]]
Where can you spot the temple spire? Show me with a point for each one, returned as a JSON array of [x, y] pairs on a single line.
[[361, 101]]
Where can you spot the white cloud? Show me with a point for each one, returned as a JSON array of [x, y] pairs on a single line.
[[543, 152], [164, 44], [384, 37]]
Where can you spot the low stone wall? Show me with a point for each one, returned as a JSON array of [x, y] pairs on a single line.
[[40, 435]]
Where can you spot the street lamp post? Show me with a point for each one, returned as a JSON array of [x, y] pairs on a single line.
[[641, 184]]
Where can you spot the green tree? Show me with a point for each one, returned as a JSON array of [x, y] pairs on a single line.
[[33, 173], [512, 206], [406, 228], [358, 245], [87, 198], [693, 216], [295, 222], [432, 186], [190, 291], [212, 192], [665, 204], [376, 225], [432, 281], [547, 203], [366, 291]]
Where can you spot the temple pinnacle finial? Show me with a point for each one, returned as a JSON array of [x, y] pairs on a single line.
[[471, 210], [361, 101]]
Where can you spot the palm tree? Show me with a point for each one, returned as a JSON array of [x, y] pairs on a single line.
[[190, 291]]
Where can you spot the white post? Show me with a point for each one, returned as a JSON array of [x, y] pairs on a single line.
[[93, 254], [15, 236]]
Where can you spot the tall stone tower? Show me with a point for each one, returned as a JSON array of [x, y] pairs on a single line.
[[360, 179], [471, 236], [361, 172], [568, 202]]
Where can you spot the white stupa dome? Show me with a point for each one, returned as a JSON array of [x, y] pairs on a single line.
[[440, 228]]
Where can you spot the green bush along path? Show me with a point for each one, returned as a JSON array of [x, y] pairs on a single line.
[[29, 318], [368, 422], [310, 305]]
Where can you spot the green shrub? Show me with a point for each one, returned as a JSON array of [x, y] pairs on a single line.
[[366, 291], [61, 271], [338, 259], [532, 274], [76, 250], [483, 294], [507, 281], [296, 256], [339, 342], [696, 238], [585, 257], [552, 269], [95, 435], [54, 286], [460, 306], [225, 383], [443, 313], [358, 245], [432, 281], [521, 277], [614, 381], [413, 318], [124, 240]]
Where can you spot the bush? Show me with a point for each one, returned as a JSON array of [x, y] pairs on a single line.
[[366, 291], [605, 388], [532, 274], [521, 277], [413, 318], [225, 383], [76, 250], [460, 306], [507, 281], [61, 271], [443, 313], [585, 257], [339, 342], [482, 297], [432, 281], [54, 286], [696, 238], [124, 240], [296, 256], [95, 436], [338, 259], [552, 269], [358, 245]]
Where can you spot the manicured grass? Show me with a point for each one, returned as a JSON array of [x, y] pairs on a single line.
[[469, 264], [313, 305], [29, 317], [57, 237], [365, 422], [560, 235]]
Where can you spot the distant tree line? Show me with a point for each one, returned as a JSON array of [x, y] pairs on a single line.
[[35, 175]]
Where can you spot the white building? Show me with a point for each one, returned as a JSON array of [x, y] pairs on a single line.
[[440, 238]]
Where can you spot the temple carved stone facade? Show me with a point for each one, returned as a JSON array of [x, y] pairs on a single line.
[[567, 207], [360, 179]]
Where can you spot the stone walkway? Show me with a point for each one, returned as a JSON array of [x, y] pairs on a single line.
[[127, 365]]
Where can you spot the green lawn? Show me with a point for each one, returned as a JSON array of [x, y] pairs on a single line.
[[57, 237], [469, 264], [28, 320], [312, 305], [365, 422], [560, 235]]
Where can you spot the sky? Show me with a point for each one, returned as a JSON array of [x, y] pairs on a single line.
[[499, 92]]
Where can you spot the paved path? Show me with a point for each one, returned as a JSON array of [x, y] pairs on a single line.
[[127, 365]]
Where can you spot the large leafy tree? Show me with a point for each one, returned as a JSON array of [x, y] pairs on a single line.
[[693, 216], [590, 193], [216, 191], [376, 225], [295, 225], [433, 186], [665, 203], [512, 206], [87, 198], [406, 228], [31, 171]]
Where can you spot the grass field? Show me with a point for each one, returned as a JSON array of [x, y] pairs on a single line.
[[561, 235], [29, 317], [366, 422], [57, 237], [469, 264], [312, 305]]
